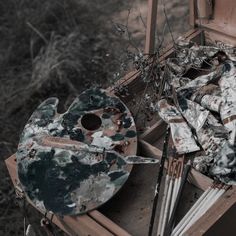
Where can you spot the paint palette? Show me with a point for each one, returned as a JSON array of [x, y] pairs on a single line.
[[74, 162]]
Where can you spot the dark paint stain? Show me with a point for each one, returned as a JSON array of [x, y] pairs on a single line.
[[116, 175], [226, 67], [131, 134], [106, 116], [127, 122], [44, 175], [117, 137], [77, 135], [182, 103], [121, 107]]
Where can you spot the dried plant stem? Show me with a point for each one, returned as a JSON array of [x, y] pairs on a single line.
[[37, 32]]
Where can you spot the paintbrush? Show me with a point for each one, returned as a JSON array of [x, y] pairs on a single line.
[[184, 177], [163, 202], [158, 184]]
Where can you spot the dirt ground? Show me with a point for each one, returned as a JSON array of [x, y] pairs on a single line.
[[59, 48]]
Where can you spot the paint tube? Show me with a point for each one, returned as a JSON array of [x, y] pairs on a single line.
[[181, 133]]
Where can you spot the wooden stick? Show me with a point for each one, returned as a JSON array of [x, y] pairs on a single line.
[[179, 175], [160, 223], [192, 209], [167, 207], [163, 203], [168, 200], [175, 189], [209, 195], [205, 208], [151, 26], [183, 181], [160, 174], [181, 172]]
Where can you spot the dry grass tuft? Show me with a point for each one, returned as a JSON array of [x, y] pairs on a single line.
[[48, 48]]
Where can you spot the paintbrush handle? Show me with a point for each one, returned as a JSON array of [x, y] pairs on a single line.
[[193, 209], [167, 207], [160, 174], [182, 227], [163, 203], [205, 208], [170, 224]]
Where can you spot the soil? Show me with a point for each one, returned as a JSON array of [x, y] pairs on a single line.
[[59, 48]]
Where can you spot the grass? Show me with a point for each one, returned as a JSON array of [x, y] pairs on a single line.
[[48, 48]]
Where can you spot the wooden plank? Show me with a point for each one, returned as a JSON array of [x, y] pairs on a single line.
[[223, 20], [155, 132], [228, 30], [11, 167], [148, 150], [192, 13], [84, 225], [212, 37], [151, 26], [199, 180], [108, 224], [76, 225], [213, 214], [126, 80]]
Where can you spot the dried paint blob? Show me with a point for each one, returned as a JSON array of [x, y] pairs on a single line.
[[61, 158]]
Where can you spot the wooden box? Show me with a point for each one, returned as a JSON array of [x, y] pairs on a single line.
[[213, 26]]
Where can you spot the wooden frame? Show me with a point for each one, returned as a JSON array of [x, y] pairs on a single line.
[[213, 32], [151, 29], [95, 223]]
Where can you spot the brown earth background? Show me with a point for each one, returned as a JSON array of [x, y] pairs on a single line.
[[59, 48]]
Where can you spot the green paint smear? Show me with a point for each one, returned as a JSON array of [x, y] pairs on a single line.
[[117, 137], [131, 134]]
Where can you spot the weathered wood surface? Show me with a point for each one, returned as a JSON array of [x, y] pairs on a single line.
[[151, 26], [220, 26], [192, 13]]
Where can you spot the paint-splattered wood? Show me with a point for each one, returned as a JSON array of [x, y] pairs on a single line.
[[94, 223]]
